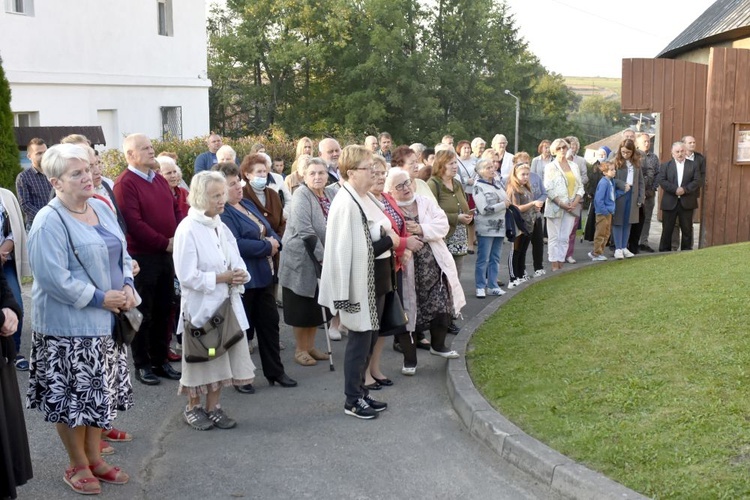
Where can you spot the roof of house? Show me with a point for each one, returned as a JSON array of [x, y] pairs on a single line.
[[612, 142], [724, 20], [53, 135]]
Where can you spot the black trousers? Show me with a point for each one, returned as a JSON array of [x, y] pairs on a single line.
[[537, 243], [263, 316], [635, 232], [155, 285], [356, 358], [668, 220]]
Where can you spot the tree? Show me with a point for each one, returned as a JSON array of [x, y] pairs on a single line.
[[10, 166], [598, 117]]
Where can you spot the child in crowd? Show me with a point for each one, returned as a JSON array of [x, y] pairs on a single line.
[[604, 206], [520, 194]]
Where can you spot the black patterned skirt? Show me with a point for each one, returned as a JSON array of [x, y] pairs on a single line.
[[78, 380], [433, 291]]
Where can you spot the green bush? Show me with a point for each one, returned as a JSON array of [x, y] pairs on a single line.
[[278, 145], [10, 166]]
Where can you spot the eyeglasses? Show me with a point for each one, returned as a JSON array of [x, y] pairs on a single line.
[[562, 148], [379, 173], [403, 185], [524, 164], [370, 167]]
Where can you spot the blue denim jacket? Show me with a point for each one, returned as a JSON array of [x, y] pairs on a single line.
[[62, 291]]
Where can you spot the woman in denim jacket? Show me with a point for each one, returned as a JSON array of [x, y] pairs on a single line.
[[79, 378]]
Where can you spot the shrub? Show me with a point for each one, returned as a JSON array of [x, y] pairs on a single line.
[[10, 166]]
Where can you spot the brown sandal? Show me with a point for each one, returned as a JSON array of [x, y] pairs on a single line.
[[83, 486], [317, 354], [304, 359]]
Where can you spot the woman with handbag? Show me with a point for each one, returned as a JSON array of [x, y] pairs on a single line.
[[564, 196], [78, 377], [431, 288], [357, 272], [257, 244], [212, 276]]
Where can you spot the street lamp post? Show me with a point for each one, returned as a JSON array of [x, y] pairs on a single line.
[[518, 116]]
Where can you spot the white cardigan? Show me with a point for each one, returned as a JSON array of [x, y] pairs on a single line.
[[434, 226], [197, 261], [344, 280]]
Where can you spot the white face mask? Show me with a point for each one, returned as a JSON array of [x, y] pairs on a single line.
[[405, 203]]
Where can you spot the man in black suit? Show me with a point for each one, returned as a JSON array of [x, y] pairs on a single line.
[[699, 160], [680, 179]]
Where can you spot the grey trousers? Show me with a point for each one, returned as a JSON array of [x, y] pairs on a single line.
[[356, 358], [648, 211]]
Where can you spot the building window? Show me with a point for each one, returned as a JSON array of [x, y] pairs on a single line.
[[26, 119], [171, 122], [164, 8], [25, 7]]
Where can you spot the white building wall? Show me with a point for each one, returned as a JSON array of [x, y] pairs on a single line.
[[71, 59]]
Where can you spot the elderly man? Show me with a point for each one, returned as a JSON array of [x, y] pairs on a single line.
[[699, 160], [32, 186], [650, 168], [680, 179], [206, 160], [152, 215], [330, 151], [371, 143], [447, 139]]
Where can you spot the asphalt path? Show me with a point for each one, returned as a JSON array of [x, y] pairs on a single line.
[[297, 442]]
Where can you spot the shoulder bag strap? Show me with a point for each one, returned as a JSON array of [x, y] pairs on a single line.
[[72, 246]]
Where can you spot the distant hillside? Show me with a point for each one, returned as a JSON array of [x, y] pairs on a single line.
[[587, 85]]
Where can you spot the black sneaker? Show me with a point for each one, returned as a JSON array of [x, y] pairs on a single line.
[[360, 409], [378, 406]]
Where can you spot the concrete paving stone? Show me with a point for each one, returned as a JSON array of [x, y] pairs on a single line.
[[533, 457]]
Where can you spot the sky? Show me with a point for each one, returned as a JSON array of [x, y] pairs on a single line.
[[592, 37]]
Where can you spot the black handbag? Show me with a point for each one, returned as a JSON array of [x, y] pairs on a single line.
[[394, 318], [127, 324], [214, 338]]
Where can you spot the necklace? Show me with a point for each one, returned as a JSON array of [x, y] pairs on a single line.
[[81, 212]]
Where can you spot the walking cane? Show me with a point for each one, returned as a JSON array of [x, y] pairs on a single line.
[[310, 242]]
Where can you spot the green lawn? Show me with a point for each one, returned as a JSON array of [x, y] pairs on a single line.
[[602, 85], [639, 369]]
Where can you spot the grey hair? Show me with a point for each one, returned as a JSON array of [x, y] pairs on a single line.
[[56, 159], [477, 141], [676, 143], [129, 142], [315, 161], [198, 197], [166, 160], [483, 165], [224, 148], [418, 148], [393, 177]]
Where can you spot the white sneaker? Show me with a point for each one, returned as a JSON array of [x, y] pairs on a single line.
[[618, 254], [333, 333], [408, 370], [539, 272], [497, 291], [627, 253], [597, 257], [570, 260], [514, 284], [480, 293]]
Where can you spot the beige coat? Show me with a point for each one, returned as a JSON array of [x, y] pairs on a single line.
[[21, 254]]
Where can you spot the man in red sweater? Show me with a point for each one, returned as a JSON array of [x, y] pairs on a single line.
[[151, 214]]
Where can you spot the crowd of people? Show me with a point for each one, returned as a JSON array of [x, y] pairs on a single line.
[[369, 240]]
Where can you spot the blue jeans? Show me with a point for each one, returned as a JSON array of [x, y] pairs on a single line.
[[489, 249], [621, 233], [9, 270]]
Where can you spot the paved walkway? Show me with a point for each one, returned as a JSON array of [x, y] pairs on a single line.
[[298, 442]]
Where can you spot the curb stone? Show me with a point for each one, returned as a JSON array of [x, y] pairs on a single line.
[[561, 474]]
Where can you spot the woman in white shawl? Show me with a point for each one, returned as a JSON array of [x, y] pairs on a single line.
[[357, 272], [209, 267], [431, 290]]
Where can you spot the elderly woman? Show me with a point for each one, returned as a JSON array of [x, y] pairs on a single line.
[[562, 181], [478, 145], [491, 202], [631, 192], [171, 172], [404, 157], [82, 274], [357, 272], [432, 291], [539, 163], [257, 244], [451, 198], [210, 269], [297, 176], [226, 154], [254, 172], [374, 378], [306, 230]]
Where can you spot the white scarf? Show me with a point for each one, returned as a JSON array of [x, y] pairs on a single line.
[[215, 224]]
